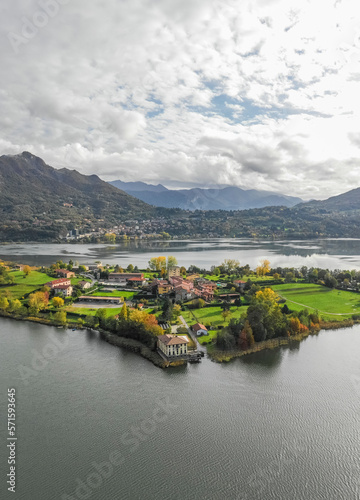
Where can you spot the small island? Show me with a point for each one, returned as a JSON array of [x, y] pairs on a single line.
[[172, 315]]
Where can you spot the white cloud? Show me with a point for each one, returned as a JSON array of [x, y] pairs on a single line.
[[259, 94]]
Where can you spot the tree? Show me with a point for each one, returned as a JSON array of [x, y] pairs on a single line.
[[224, 340], [5, 277], [289, 277], [110, 237], [330, 281], [38, 301], [246, 337], [148, 320], [237, 302], [295, 325], [89, 321], [225, 314], [58, 302], [123, 315], [157, 263], [165, 236], [167, 310], [14, 305], [4, 303], [60, 317], [101, 314], [177, 310], [263, 268], [225, 305], [130, 268], [82, 269], [216, 271], [230, 265], [313, 275], [26, 270], [171, 261], [346, 283]]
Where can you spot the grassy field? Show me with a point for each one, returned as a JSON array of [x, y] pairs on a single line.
[[34, 278], [332, 304], [26, 284], [227, 278], [205, 339], [211, 315], [91, 312]]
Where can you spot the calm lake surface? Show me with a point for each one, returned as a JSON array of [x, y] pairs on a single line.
[[280, 424], [327, 253]]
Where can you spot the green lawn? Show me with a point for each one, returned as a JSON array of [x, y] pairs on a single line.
[[34, 278], [91, 312], [211, 315], [204, 339], [26, 284], [330, 303], [257, 279], [228, 278]]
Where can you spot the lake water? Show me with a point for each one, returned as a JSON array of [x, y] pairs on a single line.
[[327, 253], [278, 425]]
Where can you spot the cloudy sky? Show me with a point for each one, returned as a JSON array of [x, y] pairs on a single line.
[[260, 94]]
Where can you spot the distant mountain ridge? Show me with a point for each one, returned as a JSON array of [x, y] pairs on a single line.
[[227, 198], [41, 203], [341, 203], [138, 186], [33, 192]]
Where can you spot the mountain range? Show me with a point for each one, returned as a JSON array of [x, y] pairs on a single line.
[[41, 203], [227, 198]]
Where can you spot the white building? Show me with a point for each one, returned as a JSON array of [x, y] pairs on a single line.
[[172, 345]]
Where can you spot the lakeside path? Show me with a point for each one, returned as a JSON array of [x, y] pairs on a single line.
[[313, 308], [191, 333]]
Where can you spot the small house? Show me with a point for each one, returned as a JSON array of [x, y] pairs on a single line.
[[63, 290], [199, 329], [84, 285], [64, 273]]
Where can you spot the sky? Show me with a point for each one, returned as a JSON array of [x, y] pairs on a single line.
[[260, 94]]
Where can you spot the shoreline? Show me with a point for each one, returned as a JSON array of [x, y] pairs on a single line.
[[118, 341], [225, 356], [214, 354]]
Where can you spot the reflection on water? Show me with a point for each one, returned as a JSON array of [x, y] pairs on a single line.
[[270, 358], [327, 253]]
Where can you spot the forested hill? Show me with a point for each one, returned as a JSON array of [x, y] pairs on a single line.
[[341, 203], [41, 203], [32, 191]]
